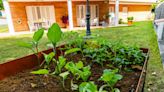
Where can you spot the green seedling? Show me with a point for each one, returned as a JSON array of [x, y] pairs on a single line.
[[88, 87], [48, 58], [110, 78], [54, 35], [33, 45]]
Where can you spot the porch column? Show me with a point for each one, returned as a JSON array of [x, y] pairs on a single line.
[[116, 12], [8, 16], [69, 2]]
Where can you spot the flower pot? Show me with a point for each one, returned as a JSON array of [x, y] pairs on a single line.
[[130, 22]]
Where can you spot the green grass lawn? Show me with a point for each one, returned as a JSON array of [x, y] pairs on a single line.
[[3, 28], [141, 34]]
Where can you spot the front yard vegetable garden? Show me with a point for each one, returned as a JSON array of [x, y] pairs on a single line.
[[82, 65], [95, 65]]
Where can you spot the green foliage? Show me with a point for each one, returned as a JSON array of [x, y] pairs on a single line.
[[79, 70], [64, 76], [41, 72], [25, 44], [33, 45], [99, 52], [54, 34], [73, 50], [60, 64], [48, 58], [74, 67], [1, 5], [130, 18], [88, 87], [38, 35], [111, 78], [126, 56]]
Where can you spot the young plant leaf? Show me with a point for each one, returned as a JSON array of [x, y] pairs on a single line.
[[60, 64], [88, 87], [38, 35], [25, 44], [48, 57], [73, 50], [79, 65], [64, 75], [41, 71], [54, 33], [110, 77]]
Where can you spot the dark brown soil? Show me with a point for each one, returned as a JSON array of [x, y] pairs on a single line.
[[27, 82]]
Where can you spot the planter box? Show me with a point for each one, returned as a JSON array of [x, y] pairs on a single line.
[[29, 62]]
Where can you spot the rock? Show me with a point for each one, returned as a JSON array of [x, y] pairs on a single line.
[[33, 85]]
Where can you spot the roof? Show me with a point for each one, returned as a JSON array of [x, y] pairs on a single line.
[[111, 1], [144, 2]]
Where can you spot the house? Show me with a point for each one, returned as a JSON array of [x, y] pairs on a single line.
[[25, 15]]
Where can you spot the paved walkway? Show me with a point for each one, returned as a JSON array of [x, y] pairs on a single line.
[[2, 35]]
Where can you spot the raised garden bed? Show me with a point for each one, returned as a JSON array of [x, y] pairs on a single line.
[[79, 66], [23, 79]]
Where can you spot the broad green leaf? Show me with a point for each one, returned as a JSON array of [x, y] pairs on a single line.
[[71, 67], [54, 33], [41, 71], [79, 65], [38, 35], [110, 77], [48, 57], [64, 75], [26, 45], [88, 87], [85, 74], [73, 50]]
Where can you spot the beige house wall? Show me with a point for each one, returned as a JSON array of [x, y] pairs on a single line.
[[139, 12], [19, 16]]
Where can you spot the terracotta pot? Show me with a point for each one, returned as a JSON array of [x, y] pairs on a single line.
[[130, 22]]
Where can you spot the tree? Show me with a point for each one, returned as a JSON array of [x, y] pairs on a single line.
[[156, 4], [1, 5]]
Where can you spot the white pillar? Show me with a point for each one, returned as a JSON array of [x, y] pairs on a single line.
[[116, 12], [70, 15], [8, 16]]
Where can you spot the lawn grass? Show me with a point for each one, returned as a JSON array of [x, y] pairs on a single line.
[[141, 34], [3, 28]]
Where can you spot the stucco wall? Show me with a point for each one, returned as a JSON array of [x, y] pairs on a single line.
[[139, 12], [18, 11]]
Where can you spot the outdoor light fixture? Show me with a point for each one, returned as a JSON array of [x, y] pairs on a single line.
[[88, 31]]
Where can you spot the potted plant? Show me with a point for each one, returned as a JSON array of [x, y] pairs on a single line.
[[130, 20], [65, 20]]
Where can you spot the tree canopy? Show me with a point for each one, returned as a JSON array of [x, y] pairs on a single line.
[[1, 5]]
